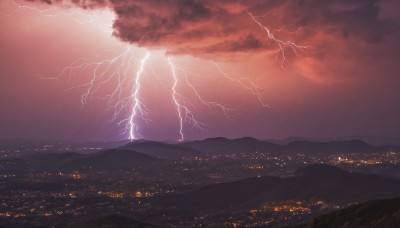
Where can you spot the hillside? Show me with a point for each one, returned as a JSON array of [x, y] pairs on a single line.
[[377, 213], [161, 150], [352, 146], [223, 145], [247, 144], [50, 161], [111, 221], [108, 160], [323, 182]]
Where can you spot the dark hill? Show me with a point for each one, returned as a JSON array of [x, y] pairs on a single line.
[[323, 182], [377, 213], [112, 221], [109, 160], [49, 161], [161, 150], [353, 146], [243, 145], [321, 170], [224, 146]]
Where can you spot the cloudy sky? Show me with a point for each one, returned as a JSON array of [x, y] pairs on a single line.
[[260, 68]]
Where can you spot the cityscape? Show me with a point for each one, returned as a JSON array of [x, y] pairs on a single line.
[[41, 188]]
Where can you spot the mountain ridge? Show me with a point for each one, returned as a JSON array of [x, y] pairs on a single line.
[[322, 182]]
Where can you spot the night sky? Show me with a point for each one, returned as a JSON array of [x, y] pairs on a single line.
[[330, 69]]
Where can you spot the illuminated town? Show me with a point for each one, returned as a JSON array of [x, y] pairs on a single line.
[[46, 197]]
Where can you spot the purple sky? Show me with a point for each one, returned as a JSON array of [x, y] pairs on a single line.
[[337, 73]]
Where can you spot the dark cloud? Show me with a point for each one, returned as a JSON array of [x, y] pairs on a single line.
[[338, 31], [352, 18], [200, 26]]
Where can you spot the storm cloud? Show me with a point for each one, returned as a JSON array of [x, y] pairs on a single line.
[[199, 27], [346, 83]]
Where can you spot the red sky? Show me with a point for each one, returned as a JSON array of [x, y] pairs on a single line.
[[345, 83]]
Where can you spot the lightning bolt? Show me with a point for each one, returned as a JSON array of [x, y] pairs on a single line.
[[225, 110], [184, 113], [118, 70], [243, 82], [281, 43], [138, 106], [31, 8], [77, 15], [211, 104], [105, 71]]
